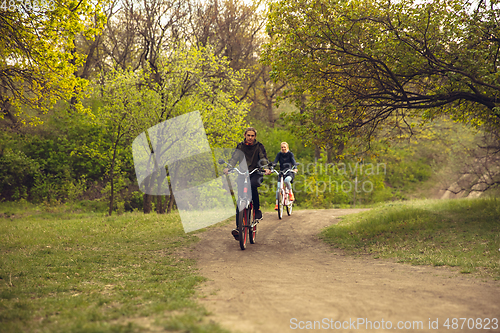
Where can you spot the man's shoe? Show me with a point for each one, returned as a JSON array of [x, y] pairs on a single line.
[[258, 214], [235, 234], [292, 198], [276, 207]]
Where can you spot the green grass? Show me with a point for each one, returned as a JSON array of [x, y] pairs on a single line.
[[463, 233], [66, 270]]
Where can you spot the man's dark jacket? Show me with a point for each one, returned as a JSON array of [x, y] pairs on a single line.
[[255, 155]]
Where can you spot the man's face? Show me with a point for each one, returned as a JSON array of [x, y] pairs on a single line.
[[250, 137]]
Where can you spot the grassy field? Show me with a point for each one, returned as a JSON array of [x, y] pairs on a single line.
[[64, 269], [463, 233]]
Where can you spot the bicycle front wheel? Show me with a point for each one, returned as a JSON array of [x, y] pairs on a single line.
[[243, 227], [252, 231], [280, 204]]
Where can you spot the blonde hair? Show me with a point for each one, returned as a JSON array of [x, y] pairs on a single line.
[[286, 144]]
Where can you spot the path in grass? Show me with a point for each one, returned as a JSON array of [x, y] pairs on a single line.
[[290, 273]]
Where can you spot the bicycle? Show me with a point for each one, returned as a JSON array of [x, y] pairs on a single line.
[[283, 194], [247, 224]]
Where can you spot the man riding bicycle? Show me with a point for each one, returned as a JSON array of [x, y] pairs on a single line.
[[256, 157]]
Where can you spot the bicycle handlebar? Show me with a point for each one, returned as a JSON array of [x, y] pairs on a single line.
[[234, 169], [283, 171]]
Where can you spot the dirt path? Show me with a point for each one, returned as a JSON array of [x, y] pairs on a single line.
[[290, 273]]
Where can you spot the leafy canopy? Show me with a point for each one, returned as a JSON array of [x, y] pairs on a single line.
[[38, 57], [367, 62]]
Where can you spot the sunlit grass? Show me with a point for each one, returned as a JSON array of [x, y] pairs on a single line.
[[71, 271], [461, 233]]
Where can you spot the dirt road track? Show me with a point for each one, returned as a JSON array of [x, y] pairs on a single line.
[[290, 273]]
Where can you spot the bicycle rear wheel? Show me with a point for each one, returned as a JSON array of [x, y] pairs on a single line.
[[289, 207], [252, 231], [243, 228]]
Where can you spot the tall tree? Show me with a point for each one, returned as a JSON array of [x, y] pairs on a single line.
[[127, 104], [37, 54], [378, 63], [235, 29], [195, 79]]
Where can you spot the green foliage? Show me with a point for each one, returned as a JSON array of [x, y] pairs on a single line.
[[17, 174], [420, 165], [458, 233], [134, 201], [355, 68], [273, 137], [331, 185], [58, 149], [195, 79], [406, 168], [38, 57], [127, 105], [387, 173], [191, 79], [74, 151]]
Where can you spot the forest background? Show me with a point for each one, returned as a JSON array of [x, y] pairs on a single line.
[[81, 79]]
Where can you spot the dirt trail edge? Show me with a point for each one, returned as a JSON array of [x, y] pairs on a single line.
[[291, 281]]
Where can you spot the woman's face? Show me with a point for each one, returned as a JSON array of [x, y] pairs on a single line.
[[284, 148]]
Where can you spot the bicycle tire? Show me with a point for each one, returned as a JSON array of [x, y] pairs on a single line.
[[289, 207], [280, 204], [242, 228], [252, 231]]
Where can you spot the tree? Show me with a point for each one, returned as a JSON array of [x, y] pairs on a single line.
[[235, 30], [378, 63], [195, 79], [37, 54], [127, 104]]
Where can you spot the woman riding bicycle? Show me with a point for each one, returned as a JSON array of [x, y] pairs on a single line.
[[286, 159]]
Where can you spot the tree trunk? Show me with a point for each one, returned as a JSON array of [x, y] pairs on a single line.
[[340, 149], [111, 195], [317, 153], [170, 203], [302, 108], [329, 155], [147, 207], [170, 197], [160, 204], [270, 111], [112, 176], [147, 199]]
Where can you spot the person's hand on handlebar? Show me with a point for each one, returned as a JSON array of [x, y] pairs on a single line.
[[226, 171], [267, 172]]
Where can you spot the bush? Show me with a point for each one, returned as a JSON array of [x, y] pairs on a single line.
[[17, 174], [134, 201]]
